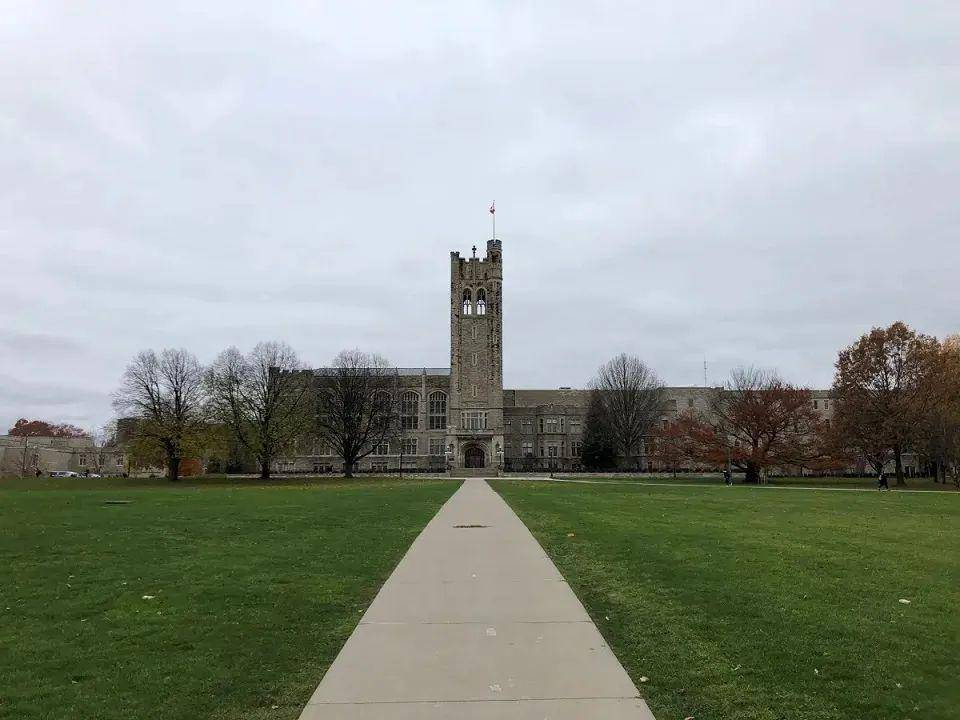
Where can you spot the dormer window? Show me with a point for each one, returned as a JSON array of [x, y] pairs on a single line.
[[467, 302], [481, 302]]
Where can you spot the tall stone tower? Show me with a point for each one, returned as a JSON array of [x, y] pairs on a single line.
[[475, 422]]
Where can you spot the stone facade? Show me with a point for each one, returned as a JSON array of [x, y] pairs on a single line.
[[461, 416], [53, 454]]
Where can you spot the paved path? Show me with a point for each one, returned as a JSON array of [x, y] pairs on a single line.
[[476, 623]]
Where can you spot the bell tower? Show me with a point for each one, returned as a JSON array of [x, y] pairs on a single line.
[[475, 422]]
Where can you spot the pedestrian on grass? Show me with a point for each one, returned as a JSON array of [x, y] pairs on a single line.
[[882, 481], [727, 478]]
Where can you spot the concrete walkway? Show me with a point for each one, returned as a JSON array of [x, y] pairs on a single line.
[[476, 623]]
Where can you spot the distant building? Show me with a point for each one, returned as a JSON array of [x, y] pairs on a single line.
[[462, 417], [26, 455]]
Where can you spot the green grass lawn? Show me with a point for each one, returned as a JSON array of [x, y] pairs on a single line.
[[252, 591], [744, 604], [916, 483]]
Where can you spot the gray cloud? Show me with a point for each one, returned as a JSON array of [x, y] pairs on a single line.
[[750, 183]]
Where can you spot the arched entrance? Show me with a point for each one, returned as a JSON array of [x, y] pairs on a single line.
[[473, 457]]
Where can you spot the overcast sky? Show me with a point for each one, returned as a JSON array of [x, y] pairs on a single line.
[[754, 182]]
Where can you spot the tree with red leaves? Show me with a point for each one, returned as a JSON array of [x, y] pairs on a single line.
[[758, 422], [42, 428]]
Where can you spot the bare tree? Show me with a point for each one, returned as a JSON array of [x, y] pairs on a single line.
[[165, 393], [263, 397], [105, 446], [356, 405], [628, 399]]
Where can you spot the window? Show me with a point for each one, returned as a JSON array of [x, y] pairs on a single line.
[[526, 422], [437, 408], [82, 460], [826, 404], [476, 359], [541, 424], [816, 405], [436, 446], [409, 410], [576, 448], [467, 302], [689, 402], [473, 420], [481, 302], [381, 448], [528, 449], [575, 425], [508, 424], [409, 446], [119, 460], [541, 451], [553, 425], [474, 390], [473, 332], [673, 403], [552, 451]]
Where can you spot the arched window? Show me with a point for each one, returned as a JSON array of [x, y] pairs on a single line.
[[409, 410], [467, 304], [481, 302], [437, 411]]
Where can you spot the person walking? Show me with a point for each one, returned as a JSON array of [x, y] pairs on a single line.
[[727, 479], [882, 481]]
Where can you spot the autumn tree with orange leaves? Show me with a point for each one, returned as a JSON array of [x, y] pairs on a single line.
[[887, 386], [42, 428], [757, 422]]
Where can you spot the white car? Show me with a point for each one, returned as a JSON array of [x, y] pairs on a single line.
[[64, 473]]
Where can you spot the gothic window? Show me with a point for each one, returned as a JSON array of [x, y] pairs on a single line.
[[409, 446], [437, 411], [467, 302], [409, 410], [473, 420], [481, 302]]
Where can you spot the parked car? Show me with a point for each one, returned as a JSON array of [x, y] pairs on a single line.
[[64, 473]]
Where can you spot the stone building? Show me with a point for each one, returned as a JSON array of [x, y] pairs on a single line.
[[27, 455], [461, 417]]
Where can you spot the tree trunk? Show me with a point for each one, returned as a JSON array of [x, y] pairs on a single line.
[[173, 468], [898, 463], [348, 469], [265, 471], [752, 474]]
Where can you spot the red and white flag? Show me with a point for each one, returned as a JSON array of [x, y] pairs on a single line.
[[493, 208]]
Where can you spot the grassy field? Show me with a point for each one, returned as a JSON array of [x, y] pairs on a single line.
[[200, 600], [746, 604], [863, 483]]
